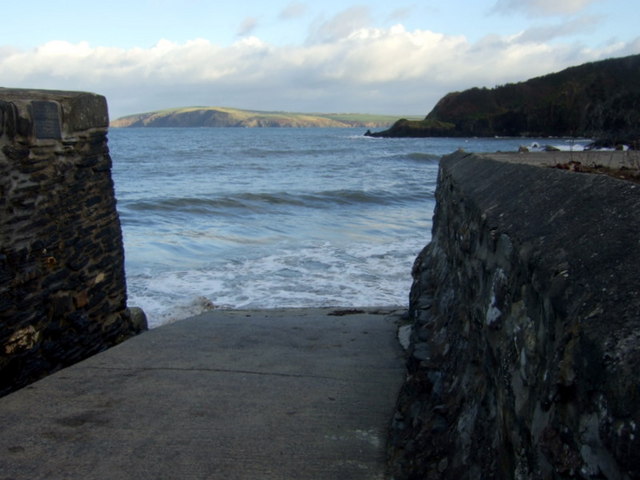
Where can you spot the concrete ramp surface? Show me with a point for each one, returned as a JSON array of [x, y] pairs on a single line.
[[271, 394]]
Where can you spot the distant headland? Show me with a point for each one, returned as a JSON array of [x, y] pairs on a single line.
[[233, 117], [598, 100]]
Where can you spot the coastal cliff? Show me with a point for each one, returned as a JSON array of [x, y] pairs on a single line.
[[595, 100], [221, 117], [525, 311]]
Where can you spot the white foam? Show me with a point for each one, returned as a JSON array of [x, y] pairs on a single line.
[[564, 145], [313, 276]]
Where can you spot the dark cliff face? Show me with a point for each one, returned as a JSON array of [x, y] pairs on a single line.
[[598, 100], [525, 345]]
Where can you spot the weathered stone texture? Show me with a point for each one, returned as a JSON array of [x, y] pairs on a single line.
[[525, 347], [62, 284]]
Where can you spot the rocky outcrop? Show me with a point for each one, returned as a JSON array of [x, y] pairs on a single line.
[[596, 100], [62, 283], [525, 347]]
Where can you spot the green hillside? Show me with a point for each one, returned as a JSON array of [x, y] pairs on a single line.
[[232, 117], [595, 100]]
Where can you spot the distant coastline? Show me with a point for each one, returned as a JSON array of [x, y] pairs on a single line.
[[233, 117]]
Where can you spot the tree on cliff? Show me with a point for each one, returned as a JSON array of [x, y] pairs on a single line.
[[598, 99]]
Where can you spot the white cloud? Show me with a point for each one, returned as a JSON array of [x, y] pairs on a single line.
[[546, 33], [354, 69], [341, 25], [400, 14], [247, 26], [293, 10], [543, 7]]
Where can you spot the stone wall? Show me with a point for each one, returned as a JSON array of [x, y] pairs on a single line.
[[62, 284], [525, 349]]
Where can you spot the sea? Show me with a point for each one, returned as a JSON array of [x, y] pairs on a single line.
[[259, 218]]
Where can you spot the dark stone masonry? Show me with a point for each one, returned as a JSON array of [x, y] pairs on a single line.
[[525, 348], [62, 284]]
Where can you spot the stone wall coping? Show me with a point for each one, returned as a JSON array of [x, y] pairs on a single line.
[[610, 159], [80, 110]]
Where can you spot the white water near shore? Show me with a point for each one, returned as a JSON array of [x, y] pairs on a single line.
[[266, 218]]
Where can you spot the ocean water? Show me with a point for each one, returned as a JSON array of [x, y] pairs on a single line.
[[275, 217]]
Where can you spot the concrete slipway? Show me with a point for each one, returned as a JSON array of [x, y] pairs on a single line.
[[272, 394]]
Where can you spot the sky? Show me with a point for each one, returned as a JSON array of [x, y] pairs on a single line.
[[334, 56]]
